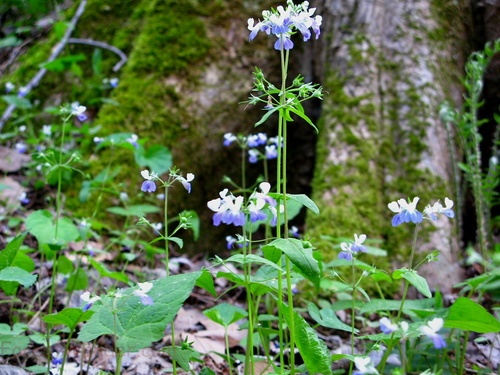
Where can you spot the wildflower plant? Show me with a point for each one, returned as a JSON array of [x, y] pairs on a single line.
[[285, 100]]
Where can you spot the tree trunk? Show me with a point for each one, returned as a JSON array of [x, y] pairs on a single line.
[[387, 66]]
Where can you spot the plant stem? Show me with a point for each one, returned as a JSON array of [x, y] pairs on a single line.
[[353, 311], [119, 357], [462, 355], [165, 229], [391, 344]]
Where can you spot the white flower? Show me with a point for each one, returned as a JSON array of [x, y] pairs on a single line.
[[47, 130], [364, 366]]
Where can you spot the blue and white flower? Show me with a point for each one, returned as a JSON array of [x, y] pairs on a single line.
[[21, 147], [253, 155], [149, 184], [113, 82], [430, 330], [9, 87], [78, 111], [23, 91], [256, 140], [386, 326], [437, 208], [186, 182], [406, 211], [133, 140], [229, 138], [89, 301], [271, 151], [47, 130], [364, 366], [357, 246], [283, 22], [144, 288], [228, 209], [348, 250]]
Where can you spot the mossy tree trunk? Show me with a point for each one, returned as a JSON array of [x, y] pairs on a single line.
[[387, 66]]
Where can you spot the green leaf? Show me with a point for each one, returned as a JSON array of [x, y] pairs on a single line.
[[12, 339], [158, 158], [8, 254], [178, 241], [194, 222], [183, 355], [134, 210], [414, 279], [135, 325], [266, 116], [63, 63], [301, 257], [326, 317], [104, 272], [304, 117], [21, 103], [69, 317], [467, 315], [312, 349], [376, 305], [17, 275], [77, 281], [10, 41], [225, 314], [40, 224], [251, 258], [305, 201], [206, 281]]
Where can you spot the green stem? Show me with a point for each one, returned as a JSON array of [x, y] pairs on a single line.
[[65, 355], [165, 228], [462, 355], [249, 358], [228, 354], [353, 311], [119, 357], [392, 342]]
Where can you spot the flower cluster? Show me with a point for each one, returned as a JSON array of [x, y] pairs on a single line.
[[353, 247], [253, 142], [230, 209], [149, 185], [284, 22], [406, 211], [430, 330]]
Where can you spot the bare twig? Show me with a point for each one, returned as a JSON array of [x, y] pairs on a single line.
[[95, 43], [55, 52]]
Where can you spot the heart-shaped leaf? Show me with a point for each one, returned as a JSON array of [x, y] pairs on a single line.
[[135, 325]]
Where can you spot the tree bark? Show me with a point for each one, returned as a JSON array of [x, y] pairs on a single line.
[[387, 66]]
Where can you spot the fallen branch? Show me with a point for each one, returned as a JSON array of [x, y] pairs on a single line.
[[56, 51], [95, 43]]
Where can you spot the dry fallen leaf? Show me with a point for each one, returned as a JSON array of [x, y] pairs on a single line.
[[11, 160], [11, 192]]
